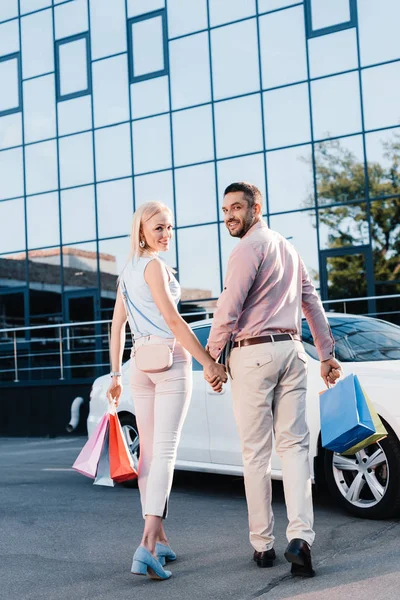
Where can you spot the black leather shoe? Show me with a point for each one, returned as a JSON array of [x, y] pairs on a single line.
[[298, 553], [264, 559]]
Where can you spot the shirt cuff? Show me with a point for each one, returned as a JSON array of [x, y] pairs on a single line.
[[326, 353], [214, 350]]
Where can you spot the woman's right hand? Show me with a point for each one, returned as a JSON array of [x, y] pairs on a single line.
[[216, 375], [114, 391]]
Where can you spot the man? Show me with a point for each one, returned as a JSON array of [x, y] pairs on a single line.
[[259, 311]]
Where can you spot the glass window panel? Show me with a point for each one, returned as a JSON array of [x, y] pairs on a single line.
[[325, 13], [9, 84], [73, 67], [195, 195], [80, 266], [381, 90], [336, 105], [340, 170], [198, 261], [378, 24], [186, 17], [190, 71], [235, 59], [12, 225], [110, 91], [149, 97], [71, 18], [147, 46], [114, 207], [37, 44], [107, 27], [333, 53], [27, 6], [11, 174], [228, 243], [344, 225], [74, 115], [223, 11], [113, 152], [152, 144], [43, 220], [113, 255], [383, 154], [283, 47], [193, 135], [9, 37], [8, 9], [290, 193], [140, 7], [246, 134], [287, 116], [41, 167], [76, 160], [244, 168], [267, 5], [39, 109], [385, 230], [10, 130], [299, 229], [156, 186], [45, 298], [78, 214]]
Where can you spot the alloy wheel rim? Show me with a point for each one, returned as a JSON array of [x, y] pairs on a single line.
[[132, 440]]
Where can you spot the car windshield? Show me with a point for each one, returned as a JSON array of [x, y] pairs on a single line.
[[360, 339]]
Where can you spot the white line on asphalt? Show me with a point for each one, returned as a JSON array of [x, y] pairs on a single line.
[[49, 469]]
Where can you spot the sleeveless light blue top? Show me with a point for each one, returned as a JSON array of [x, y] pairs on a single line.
[[143, 315]]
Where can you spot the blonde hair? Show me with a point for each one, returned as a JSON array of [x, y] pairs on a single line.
[[143, 214]]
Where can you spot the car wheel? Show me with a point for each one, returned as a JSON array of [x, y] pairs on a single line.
[[366, 483], [130, 431]]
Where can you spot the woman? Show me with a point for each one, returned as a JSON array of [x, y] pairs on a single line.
[[147, 297]]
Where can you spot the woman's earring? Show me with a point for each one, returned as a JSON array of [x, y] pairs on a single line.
[[142, 243]]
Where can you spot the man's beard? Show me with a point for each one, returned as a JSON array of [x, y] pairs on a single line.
[[241, 231]]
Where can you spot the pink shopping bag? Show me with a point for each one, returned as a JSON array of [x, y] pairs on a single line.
[[89, 456]]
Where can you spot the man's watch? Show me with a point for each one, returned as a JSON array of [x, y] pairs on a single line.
[[116, 374]]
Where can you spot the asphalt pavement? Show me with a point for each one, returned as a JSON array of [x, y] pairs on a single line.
[[61, 538]]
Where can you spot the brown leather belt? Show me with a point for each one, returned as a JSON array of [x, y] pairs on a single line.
[[264, 339]]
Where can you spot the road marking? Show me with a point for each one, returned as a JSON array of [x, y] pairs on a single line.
[[51, 469]]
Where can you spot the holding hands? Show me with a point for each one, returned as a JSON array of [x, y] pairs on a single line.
[[215, 374]]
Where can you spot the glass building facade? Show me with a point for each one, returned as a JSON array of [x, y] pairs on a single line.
[[105, 105]]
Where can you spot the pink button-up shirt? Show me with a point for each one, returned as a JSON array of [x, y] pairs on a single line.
[[266, 288]]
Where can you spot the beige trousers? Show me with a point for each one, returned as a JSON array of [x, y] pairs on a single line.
[[269, 394], [161, 402]]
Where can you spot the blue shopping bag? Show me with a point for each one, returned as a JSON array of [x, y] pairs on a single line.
[[345, 416]]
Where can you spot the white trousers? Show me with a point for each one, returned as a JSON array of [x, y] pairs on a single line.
[[269, 384], [161, 401]]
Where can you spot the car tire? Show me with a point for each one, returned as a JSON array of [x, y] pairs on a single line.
[[367, 483], [130, 430]]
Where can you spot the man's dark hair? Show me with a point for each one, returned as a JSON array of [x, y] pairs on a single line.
[[250, 191]]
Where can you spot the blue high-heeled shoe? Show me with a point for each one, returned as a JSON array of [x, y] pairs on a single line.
[[144, 563], [164, 553]]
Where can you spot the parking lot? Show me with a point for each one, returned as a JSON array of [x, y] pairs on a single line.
[[63, 538]]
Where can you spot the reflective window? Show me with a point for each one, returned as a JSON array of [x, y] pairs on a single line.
[[235, 59], [78, 214], [27, 6], [37, 44], [76, 160], [156, 186], [39, 109], [327, 14], [333, 53], [107, 27], [10, 130], [43, 220], [41, 167], [283, 47], [286, 116], [186, 17], [383, 155], [379, 31], [45, 299], [344, 225], [148, 47], [73, 67], [71, 18], [152, 144], [385, 229], [193, 135], [74, 115], [290, 193], [113, 152], [190, 71], [238, 126], [9, 37], [223, 11], [140, 7], [336, 105], [11, 174], [10, 84], [114, 207], [8, 9], [113, 255], [12, 225], [340, 170], [150, 97], [110, 91], [196, 195], [80, 266], [228, 243], [199, 262], [267, 5], [244, 168], [381, 109]]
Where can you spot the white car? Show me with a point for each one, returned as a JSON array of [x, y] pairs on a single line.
[[367, 484]]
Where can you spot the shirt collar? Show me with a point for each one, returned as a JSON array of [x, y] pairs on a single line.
[[253, 228]]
